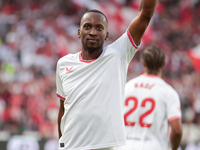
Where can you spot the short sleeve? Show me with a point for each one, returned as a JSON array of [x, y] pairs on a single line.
[[173, 106], [59, 89], [125, 46]]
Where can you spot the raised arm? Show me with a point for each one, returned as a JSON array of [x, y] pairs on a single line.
[[176, 133], [60, 114], [140, 23]]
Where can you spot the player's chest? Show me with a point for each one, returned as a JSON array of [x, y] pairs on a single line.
[[86, 77]]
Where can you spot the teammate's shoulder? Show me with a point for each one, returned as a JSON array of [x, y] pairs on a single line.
[[169, 89]]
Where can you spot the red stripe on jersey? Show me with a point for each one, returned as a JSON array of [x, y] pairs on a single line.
[[60, 97], [173, 118], [85, 61], [131, 39], [149, 75]]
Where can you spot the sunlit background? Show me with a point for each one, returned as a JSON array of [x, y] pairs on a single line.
[[34, 34]]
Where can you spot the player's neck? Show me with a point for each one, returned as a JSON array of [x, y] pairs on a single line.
[[85, 55], [155, 73]]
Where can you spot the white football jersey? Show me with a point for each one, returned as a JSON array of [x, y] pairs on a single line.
[[149, 104], [93, 93]]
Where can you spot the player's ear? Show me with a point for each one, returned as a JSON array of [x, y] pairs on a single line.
[[143, 63], [79, 33], [106, 38]]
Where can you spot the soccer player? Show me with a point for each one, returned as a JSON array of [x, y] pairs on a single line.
[[90, 83], [150, 103]]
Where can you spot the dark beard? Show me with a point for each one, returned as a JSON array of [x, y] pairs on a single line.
[[91, 49]]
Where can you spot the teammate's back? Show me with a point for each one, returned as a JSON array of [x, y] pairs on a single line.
[[149, 104]]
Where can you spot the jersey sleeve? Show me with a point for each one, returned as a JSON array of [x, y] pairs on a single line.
[[59, 89], [173, 106], [125, 46]]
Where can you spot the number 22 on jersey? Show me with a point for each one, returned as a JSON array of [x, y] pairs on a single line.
[[135, 106]]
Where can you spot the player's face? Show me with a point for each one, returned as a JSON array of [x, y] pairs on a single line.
[[93, 31]]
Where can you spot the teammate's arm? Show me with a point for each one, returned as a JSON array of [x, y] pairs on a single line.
[[176, 133], [60, 114], [140, 23]]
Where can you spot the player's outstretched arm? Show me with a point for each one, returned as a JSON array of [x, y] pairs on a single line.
[[60, 114], [140, 23], [176, 133]]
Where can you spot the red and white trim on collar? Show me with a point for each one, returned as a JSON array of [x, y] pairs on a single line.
[[131, 40], [60, 97], [151, 76], [173, 118], [85, 61]]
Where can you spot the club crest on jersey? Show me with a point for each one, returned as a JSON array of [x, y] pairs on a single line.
[[69, 69]]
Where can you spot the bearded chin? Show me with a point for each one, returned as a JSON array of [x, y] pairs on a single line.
[[92, 49]]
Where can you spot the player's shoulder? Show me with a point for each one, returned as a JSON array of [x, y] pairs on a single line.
[[118, 42], [170, 91], [68, 58], [151, 79]]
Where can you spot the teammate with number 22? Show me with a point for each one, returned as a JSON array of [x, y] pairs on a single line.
[[90, 83], [149, 104]]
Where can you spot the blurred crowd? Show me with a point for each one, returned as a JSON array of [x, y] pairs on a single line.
[[34, 34]]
